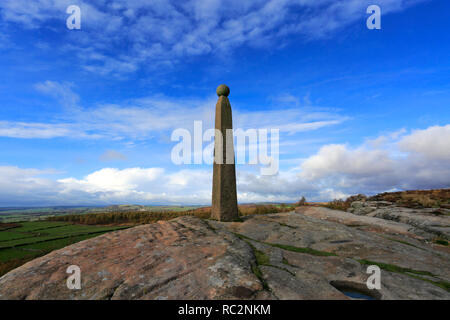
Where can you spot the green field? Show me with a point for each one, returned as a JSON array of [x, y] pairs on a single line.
[[29, 240]]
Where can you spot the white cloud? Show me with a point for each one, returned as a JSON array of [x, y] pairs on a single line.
[[308, 126], [165, 31], [419, 160], [142, 119], [35, 130], [105, 186], [340, 160], [26, 187], [113, 180], [336, 171], [136, 185], [433, 143]]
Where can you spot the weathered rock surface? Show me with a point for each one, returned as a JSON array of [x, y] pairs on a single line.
[[312, 254], [182, 258], [426, 222]]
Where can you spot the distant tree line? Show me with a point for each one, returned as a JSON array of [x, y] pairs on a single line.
[[144, 217]]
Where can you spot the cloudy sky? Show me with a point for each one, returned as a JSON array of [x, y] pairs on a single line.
[[86, 115]]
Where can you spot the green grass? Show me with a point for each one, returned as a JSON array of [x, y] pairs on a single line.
[[36, 232], [33, 239], [404, 242], [257, 272], [441, 242], [13, 253], [60, 243], [290, 248], [394, 268], [442, 284], [38, 225], [262, 259], [301, 250], [417, 274], [12, 235], [242, 237]]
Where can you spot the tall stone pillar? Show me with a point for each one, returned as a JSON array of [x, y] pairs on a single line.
[[224, 198]]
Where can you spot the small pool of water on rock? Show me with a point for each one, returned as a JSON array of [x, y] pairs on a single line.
[[357, 295], [356, 290]]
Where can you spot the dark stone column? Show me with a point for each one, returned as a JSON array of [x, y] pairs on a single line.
[[224, 198]]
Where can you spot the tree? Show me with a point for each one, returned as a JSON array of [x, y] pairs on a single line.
[[302, 201]]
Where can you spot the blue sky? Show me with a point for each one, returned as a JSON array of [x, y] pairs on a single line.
[[86, 115]]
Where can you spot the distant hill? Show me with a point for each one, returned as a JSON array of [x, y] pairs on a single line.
[[438, 198], [15, 214]]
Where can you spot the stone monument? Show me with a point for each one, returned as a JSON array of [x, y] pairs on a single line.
[[224, 198]]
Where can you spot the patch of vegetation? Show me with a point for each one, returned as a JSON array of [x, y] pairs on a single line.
[[263, 260], [9, 265], [145, 217], [394, 268], [404, 242], [135, 218], [261, 257], [42, 213], [409, 272], [441, 284], [242, 237], [62, 234], [29, 240], [302, 202], [257, 272], [438, 198], [301, 250], [338, 205], [288, 247], [441, 241], [247, 209], [6, 226]]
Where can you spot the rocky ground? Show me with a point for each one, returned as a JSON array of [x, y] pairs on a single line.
[[428, 223], [313, 253]]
